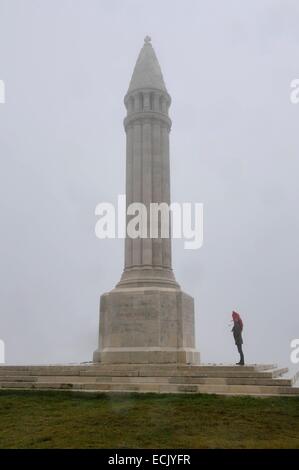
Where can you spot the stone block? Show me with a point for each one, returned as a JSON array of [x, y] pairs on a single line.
[[146, 325]]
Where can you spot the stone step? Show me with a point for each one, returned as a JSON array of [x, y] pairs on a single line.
[[260, 380], [231, 381], [159, 388], [18, 378], [172, 367], [47, 370], [38, 386], [193, 371], [142, 379], [145, 375], [96, 369]]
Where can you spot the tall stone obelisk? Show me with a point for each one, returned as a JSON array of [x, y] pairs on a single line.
[[147, 318]]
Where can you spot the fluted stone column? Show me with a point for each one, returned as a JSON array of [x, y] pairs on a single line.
[[147, 125], [147, 318]]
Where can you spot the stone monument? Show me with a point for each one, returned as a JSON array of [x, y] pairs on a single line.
[[147, 318], [146, 339]]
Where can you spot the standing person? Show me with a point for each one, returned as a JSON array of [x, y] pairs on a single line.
[[237, 332]]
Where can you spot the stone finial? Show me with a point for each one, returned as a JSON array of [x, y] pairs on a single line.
[[147, 39]]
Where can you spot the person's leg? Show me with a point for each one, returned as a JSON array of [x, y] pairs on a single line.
[[242, 355], [239, 346]]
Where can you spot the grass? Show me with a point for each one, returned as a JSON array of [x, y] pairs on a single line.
[[31, 419]]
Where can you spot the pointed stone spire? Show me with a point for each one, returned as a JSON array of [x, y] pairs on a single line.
[[147, 72]]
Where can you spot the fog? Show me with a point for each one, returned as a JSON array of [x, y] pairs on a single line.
[[234, 147]]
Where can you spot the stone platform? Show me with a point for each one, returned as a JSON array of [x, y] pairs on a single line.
[[255, 380]]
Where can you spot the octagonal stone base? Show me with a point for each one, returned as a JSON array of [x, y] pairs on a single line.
[[146, 325]]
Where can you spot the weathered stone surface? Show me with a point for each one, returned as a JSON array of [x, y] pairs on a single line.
[[257, 380], [146, 325]]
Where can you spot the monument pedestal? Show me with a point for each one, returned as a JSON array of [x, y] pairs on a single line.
[[146, 325]]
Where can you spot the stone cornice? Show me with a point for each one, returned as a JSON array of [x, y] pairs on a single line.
[[148, 90]]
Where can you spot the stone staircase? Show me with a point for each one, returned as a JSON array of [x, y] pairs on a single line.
[[256, 380]]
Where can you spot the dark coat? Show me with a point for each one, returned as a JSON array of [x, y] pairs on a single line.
[[237, 332]]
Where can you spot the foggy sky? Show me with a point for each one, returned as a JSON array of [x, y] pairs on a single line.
[[234, 147]]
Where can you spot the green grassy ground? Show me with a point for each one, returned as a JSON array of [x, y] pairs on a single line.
[[64, 420]]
